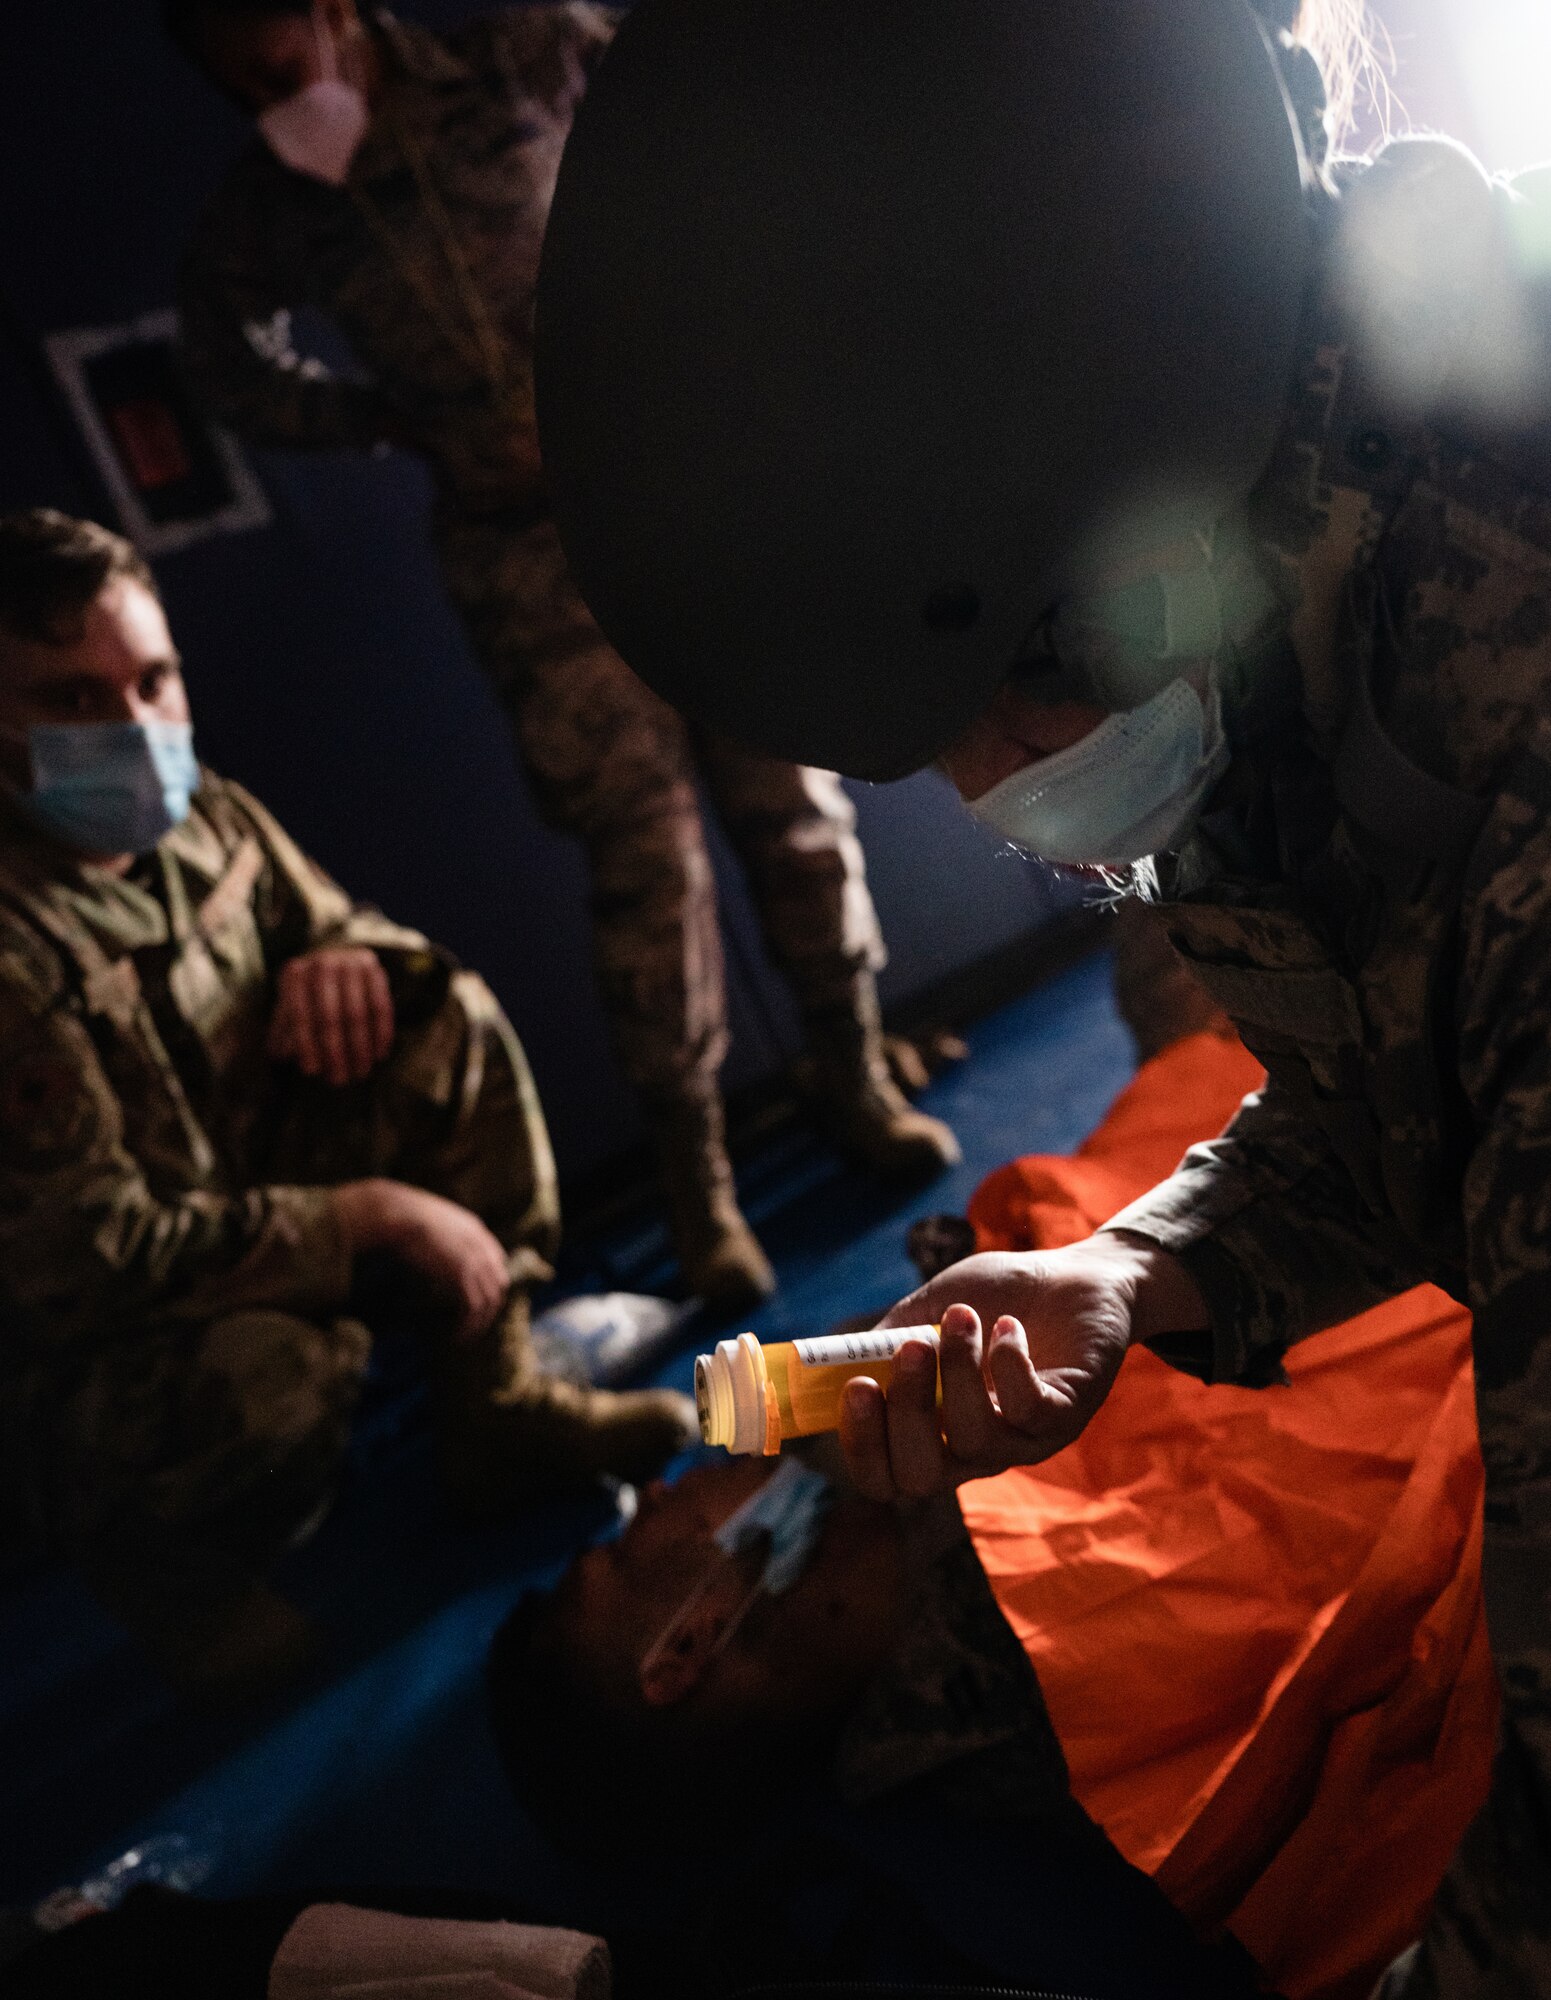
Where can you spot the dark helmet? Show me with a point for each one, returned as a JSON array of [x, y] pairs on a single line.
[[866, 328]]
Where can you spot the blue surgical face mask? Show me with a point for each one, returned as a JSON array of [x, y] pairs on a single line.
[[1131, 788], [110, 787], [790, 1508]]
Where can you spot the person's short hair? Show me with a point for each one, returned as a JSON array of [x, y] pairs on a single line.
[[608, 1783], [183, 18], [52, 567]]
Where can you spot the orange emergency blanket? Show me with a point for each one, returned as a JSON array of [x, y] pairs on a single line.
[[1256, 1614]]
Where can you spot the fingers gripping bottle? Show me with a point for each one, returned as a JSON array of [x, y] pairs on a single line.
[[753, 1398]]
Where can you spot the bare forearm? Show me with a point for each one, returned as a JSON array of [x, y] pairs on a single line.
[[449, 1246], [375, 1214], [1165, 1298]]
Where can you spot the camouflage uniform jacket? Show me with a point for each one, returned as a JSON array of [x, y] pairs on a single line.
[[1372, 904], [134, 1079], [480, 119], [955, 1714], [1369, 898]]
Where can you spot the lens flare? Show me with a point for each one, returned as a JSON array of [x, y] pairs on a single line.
[[1504, 54]]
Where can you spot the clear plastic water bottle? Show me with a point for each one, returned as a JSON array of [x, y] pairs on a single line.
[[168, 1860]]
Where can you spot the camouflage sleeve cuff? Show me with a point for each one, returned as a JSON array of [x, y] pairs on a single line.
[[419, 973], [300, 1258], [378, 933], [1232, 1347], [1273, 1266], [1236, 1344]]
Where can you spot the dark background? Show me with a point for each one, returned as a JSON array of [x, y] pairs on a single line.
[[328, 672]]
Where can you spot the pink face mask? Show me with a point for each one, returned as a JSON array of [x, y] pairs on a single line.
[[319, 130]]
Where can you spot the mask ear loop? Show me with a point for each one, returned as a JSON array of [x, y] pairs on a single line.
[[730, 1630], [662, 1646], [328, 56], [333, 58]]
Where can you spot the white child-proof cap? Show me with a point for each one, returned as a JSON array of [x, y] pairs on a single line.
[[733, 1395]]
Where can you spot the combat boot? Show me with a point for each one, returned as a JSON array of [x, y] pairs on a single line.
[[856, 1099], [914, 1060], [508, 1434], [718, 1253]]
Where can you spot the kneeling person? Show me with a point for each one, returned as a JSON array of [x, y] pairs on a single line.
[[223, 1085]]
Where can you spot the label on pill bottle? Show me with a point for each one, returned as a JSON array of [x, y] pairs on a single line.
[[877, 1345]]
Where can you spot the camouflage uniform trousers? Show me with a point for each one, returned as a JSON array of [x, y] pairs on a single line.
[[180, 1460], [613, 764], [1490, 1935]]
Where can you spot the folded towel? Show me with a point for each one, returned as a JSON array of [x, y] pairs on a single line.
[[334, 1952]]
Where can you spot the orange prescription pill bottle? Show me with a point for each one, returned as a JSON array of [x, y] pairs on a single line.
[[753, 1398]]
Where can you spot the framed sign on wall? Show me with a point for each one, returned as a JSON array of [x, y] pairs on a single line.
[[174, 477]]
